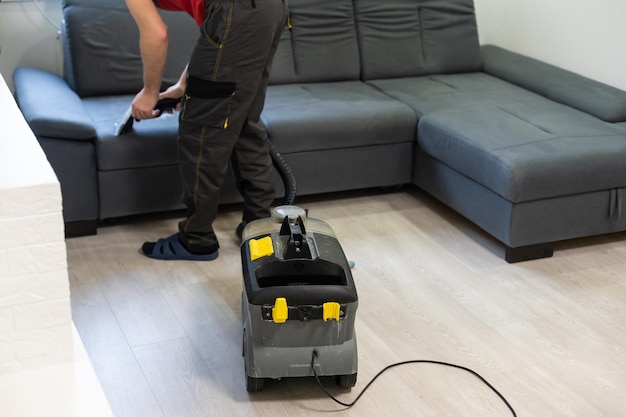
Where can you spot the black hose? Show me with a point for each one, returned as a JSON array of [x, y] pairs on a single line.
[[289, 180]]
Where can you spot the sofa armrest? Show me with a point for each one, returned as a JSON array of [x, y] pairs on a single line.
[[50, 106], [593, 97]]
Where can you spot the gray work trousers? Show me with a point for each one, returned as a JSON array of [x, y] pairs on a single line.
[[220, 116]]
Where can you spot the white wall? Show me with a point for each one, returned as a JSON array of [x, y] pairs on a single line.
[[44, 369], [27, 38], [35, 313], [587, 37]]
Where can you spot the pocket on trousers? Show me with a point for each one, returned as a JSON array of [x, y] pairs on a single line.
[[207, 102], [217, 21]]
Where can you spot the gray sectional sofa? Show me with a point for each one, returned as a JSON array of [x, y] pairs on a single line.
[[364, 93]]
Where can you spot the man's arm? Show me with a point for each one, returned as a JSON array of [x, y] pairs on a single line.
[[153, 43]]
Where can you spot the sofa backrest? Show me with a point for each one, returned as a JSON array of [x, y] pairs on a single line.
[[403, 38], [321, 44], [101, 43], [329, 40]]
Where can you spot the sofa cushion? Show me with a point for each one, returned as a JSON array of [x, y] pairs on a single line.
[[101, 47], [439, 92], [150, 143], [528, 150], [299, 118], [320, 45], [519, 144], [309, 117], [403, 38]]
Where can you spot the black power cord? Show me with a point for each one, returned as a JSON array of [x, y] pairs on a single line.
[[451, 365]]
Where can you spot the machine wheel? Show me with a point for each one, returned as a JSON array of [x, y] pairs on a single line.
[[346, 381], [252, 384]]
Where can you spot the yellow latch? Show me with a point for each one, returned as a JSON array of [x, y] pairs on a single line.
[[280, 312], [261, 247], [332, 311]]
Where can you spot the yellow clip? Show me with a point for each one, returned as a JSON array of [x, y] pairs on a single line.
[[280, 312], [261, 247], [331, 311]]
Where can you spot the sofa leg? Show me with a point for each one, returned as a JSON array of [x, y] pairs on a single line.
[[81, 228], [530, 252]]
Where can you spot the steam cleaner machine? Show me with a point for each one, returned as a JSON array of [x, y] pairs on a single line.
[[298, 301]]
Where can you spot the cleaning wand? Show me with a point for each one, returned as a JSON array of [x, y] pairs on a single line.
[[126, 122]]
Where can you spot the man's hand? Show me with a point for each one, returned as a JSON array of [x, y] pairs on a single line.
[[174, 91], [177, 90], [143, 105]]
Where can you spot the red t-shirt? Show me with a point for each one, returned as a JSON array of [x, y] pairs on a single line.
[[195, 8]]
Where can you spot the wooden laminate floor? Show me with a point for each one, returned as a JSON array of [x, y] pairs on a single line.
[[165, 337]]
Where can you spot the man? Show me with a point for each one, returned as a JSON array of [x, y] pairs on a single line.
[[223, 92]]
